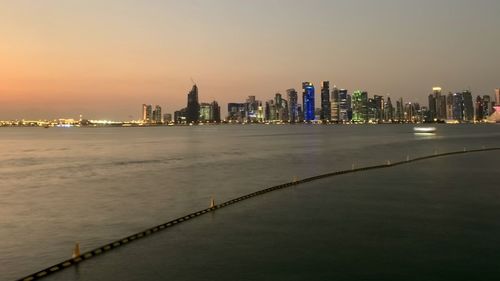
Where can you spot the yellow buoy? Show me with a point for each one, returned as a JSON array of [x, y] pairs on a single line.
[[76, 250]]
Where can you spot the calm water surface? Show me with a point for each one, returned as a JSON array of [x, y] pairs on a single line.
[[94, 185]]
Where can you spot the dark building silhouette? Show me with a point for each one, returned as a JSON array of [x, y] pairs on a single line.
[[468, 106], [193, 106], [180, 116], [479, 108], [388, 111], [437, 104], [326, 113], [432, 107], [215, 112], [378, 108], [292, 105]]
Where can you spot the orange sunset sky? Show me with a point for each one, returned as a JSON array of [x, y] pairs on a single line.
[[103, 59]]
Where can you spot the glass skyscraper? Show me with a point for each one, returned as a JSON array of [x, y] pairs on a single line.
[[343, 106], [325, 102], [334, 104], [292, 105], [308, 101]]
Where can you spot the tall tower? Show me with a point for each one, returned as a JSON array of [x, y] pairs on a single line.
[[215, 112], [308, 101], [479, 109], [378, 107], [449, 106], [156, 115], [389, 110], [458, 107], [359, 106], [344, 105], [334, 104], [468, 106], [432, 107], [193, 106], [440, 103], [144, 112], [292, 105], [326, 113], [147, 113], [497, 96]]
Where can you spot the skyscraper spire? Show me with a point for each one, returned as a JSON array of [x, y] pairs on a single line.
[[193, 106]]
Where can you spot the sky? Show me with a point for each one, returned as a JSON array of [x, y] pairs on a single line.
[[104, 59]]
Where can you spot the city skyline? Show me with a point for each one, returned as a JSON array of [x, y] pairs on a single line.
[[65, 58], [337, 106]]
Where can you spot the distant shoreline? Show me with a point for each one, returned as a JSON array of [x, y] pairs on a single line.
[[127, 125]]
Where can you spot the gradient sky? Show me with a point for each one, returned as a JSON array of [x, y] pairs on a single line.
[[104, 58]]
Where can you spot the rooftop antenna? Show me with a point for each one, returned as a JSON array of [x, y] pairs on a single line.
[[192, 81]]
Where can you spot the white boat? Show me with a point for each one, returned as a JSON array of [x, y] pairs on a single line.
[[424, 129]]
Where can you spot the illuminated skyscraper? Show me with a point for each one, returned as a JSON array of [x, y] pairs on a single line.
[[439, 106], [334, 105], [308, 101], [344, 106], [205, 112], [292, 105], [281, 108], [157, 115], [147, 113], [252, 107], [236, 112], [325, 101], [193, 106], [359, 106]]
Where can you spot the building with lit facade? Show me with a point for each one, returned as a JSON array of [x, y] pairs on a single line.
[[334, 105], [157, 115], [359, 106], [308, 101], [205, 112], [344, 106], [252, 109], [236, 112], [147, 113]]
